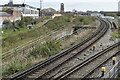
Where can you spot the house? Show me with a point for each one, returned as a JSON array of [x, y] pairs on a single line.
[[12, 17]]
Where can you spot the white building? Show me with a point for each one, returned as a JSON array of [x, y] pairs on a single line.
[[25, 9], [96, 14]]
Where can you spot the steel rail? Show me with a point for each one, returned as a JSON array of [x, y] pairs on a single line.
[[93, 69], [84, 63]]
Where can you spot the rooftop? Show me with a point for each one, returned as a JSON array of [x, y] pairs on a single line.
[[17, 5]]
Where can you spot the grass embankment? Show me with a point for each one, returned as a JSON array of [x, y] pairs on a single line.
[[14, 39], [11, 39], [42, 52], [116, 33]]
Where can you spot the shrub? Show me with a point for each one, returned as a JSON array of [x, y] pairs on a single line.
[[48, 49]]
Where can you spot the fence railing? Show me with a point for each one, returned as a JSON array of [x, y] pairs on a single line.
[[114, 71]]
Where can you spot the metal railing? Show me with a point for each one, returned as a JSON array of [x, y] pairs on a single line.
[[113, 73]]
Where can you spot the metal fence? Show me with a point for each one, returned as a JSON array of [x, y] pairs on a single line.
[[114, 71]]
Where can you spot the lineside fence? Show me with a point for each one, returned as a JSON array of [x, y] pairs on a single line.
[[113, 73]]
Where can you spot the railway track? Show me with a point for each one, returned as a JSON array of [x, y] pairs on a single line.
[[86, 68], [107, 62], [43, 68]]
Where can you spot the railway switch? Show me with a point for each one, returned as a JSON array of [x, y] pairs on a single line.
[[113, 59]]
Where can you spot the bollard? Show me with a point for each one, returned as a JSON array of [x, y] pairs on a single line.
[[101, 45], [94, 47], [103, 69], [113, 59]]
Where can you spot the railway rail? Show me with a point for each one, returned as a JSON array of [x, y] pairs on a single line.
[[86, 68], [42, 68]]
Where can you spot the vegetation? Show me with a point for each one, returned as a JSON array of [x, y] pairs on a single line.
[[40, 53], [22, 23], [48, 11], [118, 77], [110, 14], [115, 34], [119, 23], [21, 34], [48, 49], [8, 10], [83, 20]]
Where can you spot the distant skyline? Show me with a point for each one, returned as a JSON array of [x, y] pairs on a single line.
[[80, 5]]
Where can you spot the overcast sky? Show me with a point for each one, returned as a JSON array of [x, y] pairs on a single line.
[[80, 5]]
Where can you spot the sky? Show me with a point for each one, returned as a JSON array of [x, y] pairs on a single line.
[[80, 5]]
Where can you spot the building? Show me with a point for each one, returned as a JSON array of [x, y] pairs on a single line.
[[26, 10], [62, 7], [12, 17], [97, 14], [56, 15], [119, 6]]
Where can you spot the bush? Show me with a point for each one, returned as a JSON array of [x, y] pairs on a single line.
[[7, 24], [48, 49]]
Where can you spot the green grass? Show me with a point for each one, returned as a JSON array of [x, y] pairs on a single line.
[[10, 32], [46, 50], [114, 35]]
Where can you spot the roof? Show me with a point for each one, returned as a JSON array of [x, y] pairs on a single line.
[[18, 5], [4, 14]]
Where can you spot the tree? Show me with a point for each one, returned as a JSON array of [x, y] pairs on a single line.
[[8, 10], [110, 14], [6, 23], [49, 10]]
